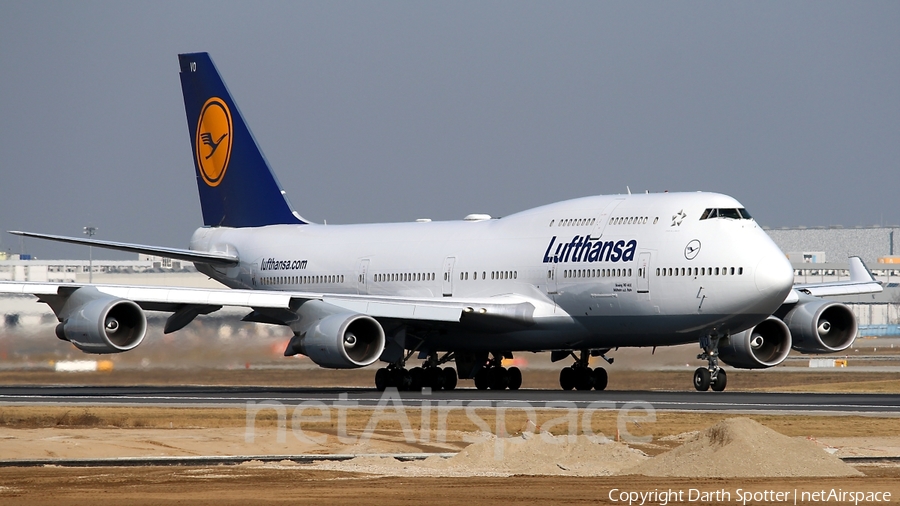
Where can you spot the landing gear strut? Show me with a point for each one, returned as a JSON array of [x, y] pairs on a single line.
[[496, 377], [580, 376], [711, 376]]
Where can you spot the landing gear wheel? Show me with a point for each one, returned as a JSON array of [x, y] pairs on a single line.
[[405, 380], [702, 379], [567, 378], [433, 378], [417, 378], [482, 379], [601, 379], [499, 378], [718, 384], [515, 378], [382, 378], [450, 378], [584, 378]]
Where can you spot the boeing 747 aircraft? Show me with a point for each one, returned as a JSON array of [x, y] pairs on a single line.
[[577, 279]]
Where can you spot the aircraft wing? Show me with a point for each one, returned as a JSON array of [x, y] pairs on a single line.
[[861, 281], [176, 253], [502, 311]]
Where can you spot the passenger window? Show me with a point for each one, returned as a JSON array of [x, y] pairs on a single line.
[[740, 271], [732, 271]]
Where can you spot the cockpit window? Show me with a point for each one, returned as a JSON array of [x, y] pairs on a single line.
[[732, 213]]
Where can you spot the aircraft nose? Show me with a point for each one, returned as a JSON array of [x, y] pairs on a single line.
[[774, 275]]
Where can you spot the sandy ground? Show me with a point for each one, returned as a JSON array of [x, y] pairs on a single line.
[[274, 484], [48, 432], [63, 432]]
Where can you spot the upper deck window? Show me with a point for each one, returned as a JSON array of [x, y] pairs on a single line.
[[732, 213]]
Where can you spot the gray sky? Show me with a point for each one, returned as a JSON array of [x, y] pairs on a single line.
[[401, 110]]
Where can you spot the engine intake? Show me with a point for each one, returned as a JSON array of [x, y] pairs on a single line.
[[821, 326], [98, 323], [765, 345]]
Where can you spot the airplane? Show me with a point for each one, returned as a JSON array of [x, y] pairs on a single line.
[[578, 278]]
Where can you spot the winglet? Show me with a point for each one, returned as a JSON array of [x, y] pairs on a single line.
[[859, 273]]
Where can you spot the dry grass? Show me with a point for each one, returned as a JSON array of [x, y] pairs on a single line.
[[666, 423]]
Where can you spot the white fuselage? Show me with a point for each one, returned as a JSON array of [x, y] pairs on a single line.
[[604, 271]]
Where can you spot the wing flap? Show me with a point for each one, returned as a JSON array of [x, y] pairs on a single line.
[[404, 309]]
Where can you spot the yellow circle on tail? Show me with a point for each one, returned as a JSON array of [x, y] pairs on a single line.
[[214, 139]]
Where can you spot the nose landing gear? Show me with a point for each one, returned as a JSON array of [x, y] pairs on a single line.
[[711, 376]]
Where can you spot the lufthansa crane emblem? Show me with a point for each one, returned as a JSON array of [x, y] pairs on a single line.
[[214, 140], [692, 249]]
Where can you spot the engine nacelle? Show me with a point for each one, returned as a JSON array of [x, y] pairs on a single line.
[[98, 323], [765, 345], [821, 326], [344, 341], [334, 337]]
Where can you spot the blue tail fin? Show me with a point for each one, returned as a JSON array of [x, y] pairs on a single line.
[[237, 187]]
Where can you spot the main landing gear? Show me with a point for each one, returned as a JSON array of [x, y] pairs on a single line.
[[711, 376], [496, 377], [580, 376], [429, 375]]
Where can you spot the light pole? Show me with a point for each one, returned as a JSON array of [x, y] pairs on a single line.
[[90, 231]]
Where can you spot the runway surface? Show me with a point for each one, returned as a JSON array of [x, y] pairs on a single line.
[[358, 397]]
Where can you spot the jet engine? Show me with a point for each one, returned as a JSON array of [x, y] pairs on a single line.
[[98, 323], [821, 326], [765, 345], [336, 338]]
